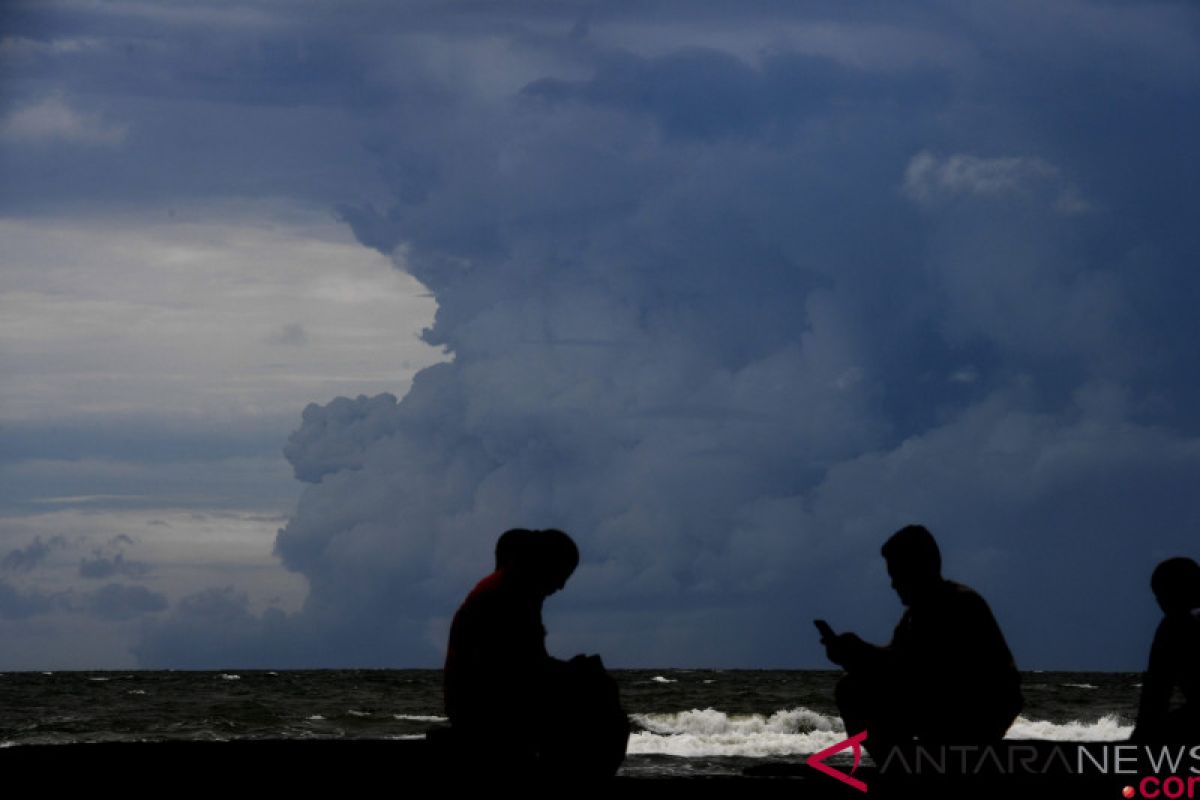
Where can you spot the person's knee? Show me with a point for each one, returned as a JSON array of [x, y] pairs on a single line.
[[852, 698]]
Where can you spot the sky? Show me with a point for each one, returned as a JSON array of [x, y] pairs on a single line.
[[304, 304]]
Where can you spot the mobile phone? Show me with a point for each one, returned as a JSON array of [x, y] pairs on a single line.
[[826, 631]]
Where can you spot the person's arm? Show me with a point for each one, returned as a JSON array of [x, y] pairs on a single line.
[[848, 650]]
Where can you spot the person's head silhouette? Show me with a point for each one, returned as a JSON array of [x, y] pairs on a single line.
[[557, 557], [1176, 585], [540, 562], [914, 563], [511, 546]]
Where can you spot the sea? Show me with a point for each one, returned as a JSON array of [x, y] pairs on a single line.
[[686, 722]]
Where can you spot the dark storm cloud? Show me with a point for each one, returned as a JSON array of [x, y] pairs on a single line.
[[118, 601], [691, 295], [17, 603], [109, 561], [24, 559], [113, 602], [101, 566], [731, 321], [214, 628], [705, 94], [730, 295]]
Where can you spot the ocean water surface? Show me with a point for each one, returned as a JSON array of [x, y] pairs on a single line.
[[685, 721]]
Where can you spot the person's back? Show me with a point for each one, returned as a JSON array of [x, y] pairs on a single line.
[[495, 660], [958, 666]]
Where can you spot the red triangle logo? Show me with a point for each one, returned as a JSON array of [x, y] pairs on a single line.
[[817, 760]]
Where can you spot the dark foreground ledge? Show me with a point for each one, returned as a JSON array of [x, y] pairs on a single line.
[[1015, 771]]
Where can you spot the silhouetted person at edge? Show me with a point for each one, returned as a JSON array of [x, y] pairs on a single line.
[[514, 709], [1174, 658], [947, 677]]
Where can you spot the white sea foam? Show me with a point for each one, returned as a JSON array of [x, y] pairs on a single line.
[[801, 731], [709, 732], [661, 679], [315, 718], [136, 691], [419, 717], [229, 676], [1107, 728], [1081, 685], [356, 713]]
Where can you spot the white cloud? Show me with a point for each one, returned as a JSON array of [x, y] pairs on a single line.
[[152, 373], [929, 177], [187, 319], [53, 120]]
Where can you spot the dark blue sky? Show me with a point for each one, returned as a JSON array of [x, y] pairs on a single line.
[[728, 293]]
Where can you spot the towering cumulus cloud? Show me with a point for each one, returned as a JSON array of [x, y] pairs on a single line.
[[731, 300]]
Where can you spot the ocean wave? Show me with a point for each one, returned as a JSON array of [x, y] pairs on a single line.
[[661, 679], [802, 731], [708, 732], [229, 676], [1081, 685], [420, 717], [709, 721], [1107, 728]]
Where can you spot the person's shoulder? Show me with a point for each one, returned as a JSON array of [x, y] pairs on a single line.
[[966, 597], [491, 587], [1184, 627], [959, 589]]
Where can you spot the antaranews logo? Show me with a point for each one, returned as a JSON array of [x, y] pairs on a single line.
[[1152, 772], [817, 761]]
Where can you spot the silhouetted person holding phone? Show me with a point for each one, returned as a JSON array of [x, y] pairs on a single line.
[[946, 677], [512, 706], [1174, 658]]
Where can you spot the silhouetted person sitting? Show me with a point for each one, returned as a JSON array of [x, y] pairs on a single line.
[[513, 707], [947, 676], [1174, 658]]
